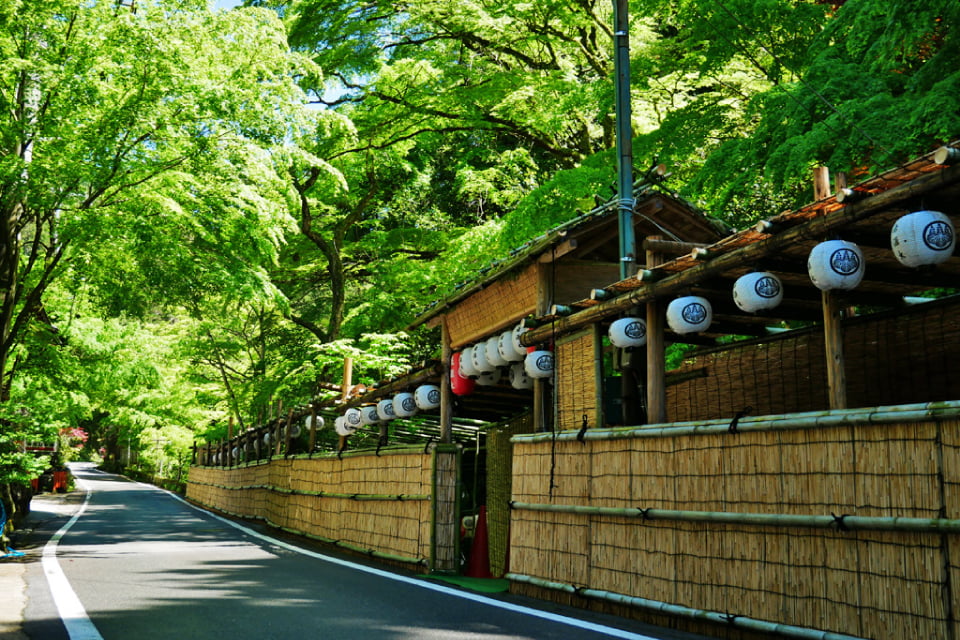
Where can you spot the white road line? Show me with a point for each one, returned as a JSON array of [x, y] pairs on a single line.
[[613, 632], [74, 616]]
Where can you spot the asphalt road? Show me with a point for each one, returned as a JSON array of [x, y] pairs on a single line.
[[143, 564]]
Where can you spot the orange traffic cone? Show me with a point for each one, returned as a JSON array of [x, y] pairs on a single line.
[[479, 565]]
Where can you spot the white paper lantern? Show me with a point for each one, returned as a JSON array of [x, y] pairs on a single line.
[[385, 410], [922, 238], [628, 332], [507, 350], [479, 357], [310, 418], [519, 378], [266, 438], [757, 291], [427, 396], [489, 378], [342, 428], [353, 418], [539, 364], [294, 431], [835, 264], [369, 415], [689, 314], [404, 405], [236, 453], [493, 352], [518, 331], [467, 370]]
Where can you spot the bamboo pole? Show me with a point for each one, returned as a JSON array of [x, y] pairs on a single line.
[[920, 412], [860, 523], [666, 608]]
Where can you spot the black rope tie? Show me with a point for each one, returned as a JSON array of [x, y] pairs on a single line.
[[644, 513], [583, 430], [426, 447], [729, 618], [736, 419], [838, 521]]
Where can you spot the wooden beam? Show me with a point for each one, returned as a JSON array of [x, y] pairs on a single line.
[[559, 251], [670, 247]]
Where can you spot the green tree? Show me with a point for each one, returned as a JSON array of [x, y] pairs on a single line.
[[134, 160]]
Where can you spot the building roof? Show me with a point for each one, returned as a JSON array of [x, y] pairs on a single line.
[[655, 212]]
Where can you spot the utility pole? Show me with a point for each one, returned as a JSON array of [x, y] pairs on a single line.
[[628, 241]]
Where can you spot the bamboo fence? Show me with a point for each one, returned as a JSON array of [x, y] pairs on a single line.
[[377, 504], [845, 529]]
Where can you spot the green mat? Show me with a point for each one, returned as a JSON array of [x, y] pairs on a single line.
[[483, 585]]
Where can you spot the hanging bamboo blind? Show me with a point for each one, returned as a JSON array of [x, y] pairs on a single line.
[[876, 584], [499, 488]]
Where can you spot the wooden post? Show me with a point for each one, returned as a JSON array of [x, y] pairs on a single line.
[[345, 393], [833, 340], [230, 440], [446, 397], [821, 183], [286, 433], [445, 521], [347, 379], [599, 419], [656, 352], [313, 429], [542, 420]]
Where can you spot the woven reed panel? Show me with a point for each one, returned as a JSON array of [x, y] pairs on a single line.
[[870, 584], [499, 487], [913, 356], [574, 279], [499, 305], [446, 511], [577, 391], [782, 376]]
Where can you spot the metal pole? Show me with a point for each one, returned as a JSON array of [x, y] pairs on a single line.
[[628, 242]]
